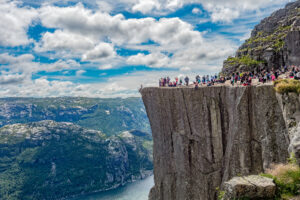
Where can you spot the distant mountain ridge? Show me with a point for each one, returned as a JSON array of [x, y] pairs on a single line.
[[111, 116]]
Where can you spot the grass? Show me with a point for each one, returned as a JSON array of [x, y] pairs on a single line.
[[284, 86], [286, 178], [244, 60]]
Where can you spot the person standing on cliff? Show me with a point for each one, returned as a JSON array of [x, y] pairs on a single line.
[[187, 81]]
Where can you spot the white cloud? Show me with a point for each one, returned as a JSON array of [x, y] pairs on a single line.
[[196, 11], [6, 79], [99, 26], [6, 58], [80, 72], [64, 41], [146, 6], [152, 60], [101, 51], [24, 64], [14, 22], [225, 14]]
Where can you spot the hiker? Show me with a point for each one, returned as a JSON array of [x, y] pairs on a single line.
[[186, 81], [273, 77]]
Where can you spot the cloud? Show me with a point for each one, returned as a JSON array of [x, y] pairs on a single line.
[[101, 51], [25, 64], [152, 60], [80, 72], [146, 6], [225, 14], [92, 35], [102, 26], [6, 58], [6, 79], [64, 41], [14, 23], [196, 11]]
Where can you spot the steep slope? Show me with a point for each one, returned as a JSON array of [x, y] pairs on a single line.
[[205, 137], [51, 160], [273, 43], [110, 116]]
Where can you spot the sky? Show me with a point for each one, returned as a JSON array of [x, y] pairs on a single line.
[[105, 48]]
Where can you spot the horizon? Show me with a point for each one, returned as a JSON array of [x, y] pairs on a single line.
[[102, 49]]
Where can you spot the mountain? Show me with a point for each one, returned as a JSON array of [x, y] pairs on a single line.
[[273, 43], [111, 116], [55, 160]]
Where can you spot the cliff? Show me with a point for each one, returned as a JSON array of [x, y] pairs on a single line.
[[273, 43], [206, 136]]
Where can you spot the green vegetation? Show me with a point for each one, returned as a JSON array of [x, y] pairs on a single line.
[[264, 40], [286, 178], [287, 85], [278, 45], [244, 60], [50, 160], [110, 116], [221, 193]]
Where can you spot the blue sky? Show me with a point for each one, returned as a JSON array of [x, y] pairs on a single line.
[[108, 49]]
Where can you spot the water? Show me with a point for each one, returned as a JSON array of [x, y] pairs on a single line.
[[134, 191]]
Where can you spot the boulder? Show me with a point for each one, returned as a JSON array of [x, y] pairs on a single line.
[[250, 187]]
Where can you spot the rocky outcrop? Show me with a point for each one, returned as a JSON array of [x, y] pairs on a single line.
[[204, 137], [275, 42], [249, 187]]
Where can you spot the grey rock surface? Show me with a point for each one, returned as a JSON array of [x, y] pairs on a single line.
[[290, 105], [250, 187], [204, 137]]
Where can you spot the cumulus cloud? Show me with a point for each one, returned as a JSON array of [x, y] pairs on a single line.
[[64, 41], [6, 79], [152, 60], [25, 64], [92, 36], [163, 7], [6, 58], [82, 32], [101, 51], [146, 6], [102, 26], [14, 23]]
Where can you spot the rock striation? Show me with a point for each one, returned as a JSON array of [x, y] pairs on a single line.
[[290, 105], [204, 137], [273, 43]]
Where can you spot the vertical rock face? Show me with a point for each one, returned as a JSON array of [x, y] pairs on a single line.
[[290, 105], [204, 137]]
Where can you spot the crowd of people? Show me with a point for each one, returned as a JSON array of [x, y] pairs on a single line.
[[238, 78]]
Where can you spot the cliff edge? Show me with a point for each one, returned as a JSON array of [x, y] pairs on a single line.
[[203, 137]]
